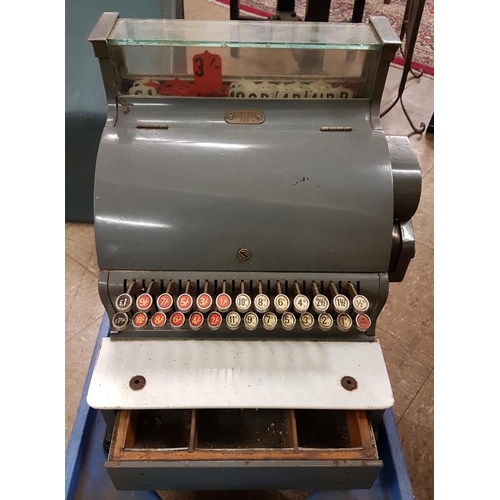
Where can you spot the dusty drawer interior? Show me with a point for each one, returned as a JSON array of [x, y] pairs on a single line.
[[264, 434]]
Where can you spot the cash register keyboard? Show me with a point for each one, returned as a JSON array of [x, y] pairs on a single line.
[[265, 307]]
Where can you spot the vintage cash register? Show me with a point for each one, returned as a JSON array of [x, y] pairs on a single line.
[[250, 213]]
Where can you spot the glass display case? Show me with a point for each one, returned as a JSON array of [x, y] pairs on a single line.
[[244, 59]]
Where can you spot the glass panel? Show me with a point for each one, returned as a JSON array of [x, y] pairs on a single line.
[[244, 34]]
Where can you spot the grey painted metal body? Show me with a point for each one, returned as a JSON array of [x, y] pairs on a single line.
[[244, 475], [188, 197], [407, 177]]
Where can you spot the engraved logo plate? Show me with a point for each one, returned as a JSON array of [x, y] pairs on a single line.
[[244, 117]]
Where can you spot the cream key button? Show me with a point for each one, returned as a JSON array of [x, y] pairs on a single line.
[[262, 303], [306, 321], [243, 302], [269, 321], [344, 322], [233, 320], [360, 304], [250, 320], [325, 322], [288, 321], [320, 303]]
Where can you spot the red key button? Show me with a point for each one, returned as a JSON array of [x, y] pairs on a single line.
[[177, 319], [223, 302], [144, 302], [159, 319], [363, 322], [165, 302], [184, 302], [214, 320], [196, 320], [140, 319], [204, 302]]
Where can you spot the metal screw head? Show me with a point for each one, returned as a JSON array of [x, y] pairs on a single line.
[[137, 382], [229, 116], [349, 383], [244, 254]]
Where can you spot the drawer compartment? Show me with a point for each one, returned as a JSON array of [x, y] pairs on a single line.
[[218, 449]]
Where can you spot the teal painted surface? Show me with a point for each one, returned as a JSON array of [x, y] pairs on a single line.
[[85, 98]]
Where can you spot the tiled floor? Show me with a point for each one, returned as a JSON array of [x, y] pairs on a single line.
[[406, 325]]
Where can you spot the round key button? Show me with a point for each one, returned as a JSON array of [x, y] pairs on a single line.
[[214, 320], [204, 302], [269, 321], [288, 321], [184, 302], [140, 319], [363, 322], [300, 303], [325, 321], [124, 302], [344, 322], [262, 303], [119, 321], [164, 302], [196, 320], [233, 320], [159, 319], [144, 302], [243, 302], [340, 303], [306, 321], [223, 302], [320, 303], [281, 303], [251, 320], [360, 304], [177, 320]]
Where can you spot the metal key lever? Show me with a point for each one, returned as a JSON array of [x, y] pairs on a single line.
[[184, 300], [243, 302], [145, 301], [300, 301], [165, 301], [340, 302], [360, 303], [261, 301], [281, 301], [125, 300], [320, 303], [204, 301], [223, 301]]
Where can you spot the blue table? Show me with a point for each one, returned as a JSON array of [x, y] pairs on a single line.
[[86, 477]]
